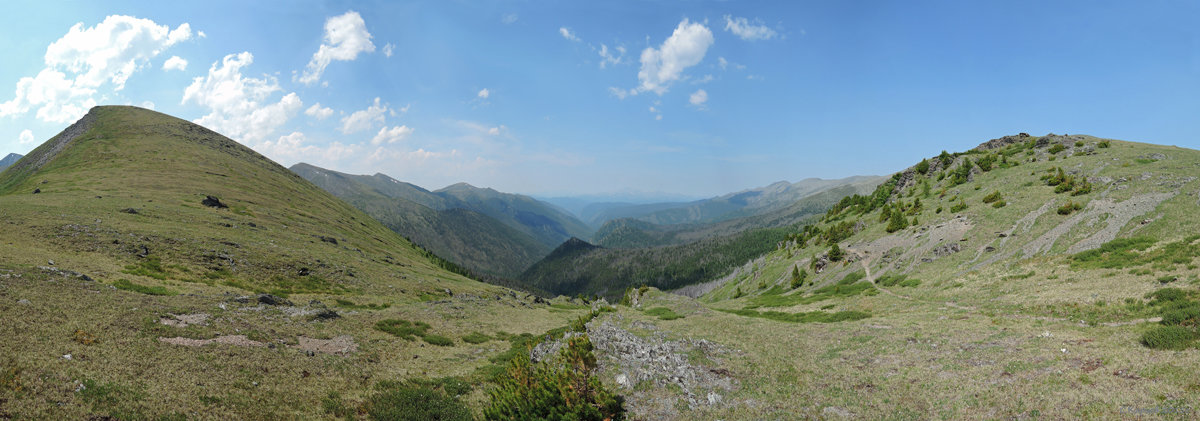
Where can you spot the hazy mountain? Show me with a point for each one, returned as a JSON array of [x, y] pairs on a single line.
[[8, 160], [729, 206], [476, 241]]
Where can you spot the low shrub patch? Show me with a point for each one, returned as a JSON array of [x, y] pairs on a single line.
[[124, 284], [663, 313]]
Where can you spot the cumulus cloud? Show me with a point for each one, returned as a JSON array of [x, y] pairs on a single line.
[[365, 119], [318, 112], [483, 93], [698, 98], [26, 137], [388, 49], [621, 93], [664, 65], [88, 58], [748, 31], [295, 147], [345, 37], [175, 63], [509, 18], [495, 131], [239, 105], [566, 33], [392, 135], [607, 57]]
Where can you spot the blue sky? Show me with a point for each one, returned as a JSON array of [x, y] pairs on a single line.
[[554, 98]]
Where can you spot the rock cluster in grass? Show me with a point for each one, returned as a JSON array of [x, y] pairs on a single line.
[[661, 363]]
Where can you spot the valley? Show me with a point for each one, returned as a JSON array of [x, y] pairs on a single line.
[[155, 269]]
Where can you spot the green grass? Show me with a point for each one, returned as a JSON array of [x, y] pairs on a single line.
[[346, 304], [403, 328], [125, 284], [803, 317], [663, 313], [476, 338]]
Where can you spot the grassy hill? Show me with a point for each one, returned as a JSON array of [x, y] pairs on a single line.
[[1017, 292], [471, 239], [134, 250], [1013, 288]]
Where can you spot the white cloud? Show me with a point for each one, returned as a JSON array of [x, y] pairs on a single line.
[[149, 105], [722, 62], [201, 34], [698, 98], [392, 135], [747, 31], [345, 37], [483, 94], [495, 131], [685, 48], [26, 137], [566, 33], [621, 93], [509, 18], [318, 112], [365, 119], [238, 105], [703, 80], [85, 59], [175, 63], [607, 57], [658, 117], [388, 49], [295, 147]]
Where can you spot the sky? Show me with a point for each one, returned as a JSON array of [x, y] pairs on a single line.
[[693, 98]]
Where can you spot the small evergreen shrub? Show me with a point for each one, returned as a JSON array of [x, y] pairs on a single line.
[[1168, 337], [1068, 208], [959, 207], [560, 388], [414, 403], [124, 284], [993, 197], [1058, 147], [476, 338], [403, 328]]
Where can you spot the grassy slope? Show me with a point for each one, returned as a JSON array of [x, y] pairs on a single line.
[[466, 237], [267, 240], [1024, 336], [608, 272]]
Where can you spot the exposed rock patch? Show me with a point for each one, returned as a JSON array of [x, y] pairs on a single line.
[[636, 360], [342, 345], [237, 340], [185, 320]]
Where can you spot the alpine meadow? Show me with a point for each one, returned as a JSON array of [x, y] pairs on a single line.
[[504, 210]]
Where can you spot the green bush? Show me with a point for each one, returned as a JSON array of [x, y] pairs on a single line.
[[124, 284], [663, 313], [1181, 313], [1103, 144], [1069, 208], [999, 204], [923, 166], [476, 338], [560, 388], [835, 253], [798, 277], [993, 197], [438, 340], [410, 402], [959, 207], [1058, 147], [403, 328], [1168, 337], [1166, 295]]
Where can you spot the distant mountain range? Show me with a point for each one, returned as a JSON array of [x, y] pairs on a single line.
[[482, 229], [12, 158], [750, 202]]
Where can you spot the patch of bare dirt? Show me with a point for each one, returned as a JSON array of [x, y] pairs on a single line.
[[185, 320], [342, 345], [237, 340]]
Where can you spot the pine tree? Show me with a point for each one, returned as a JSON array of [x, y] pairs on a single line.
[[798, 277], [835, 253]]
